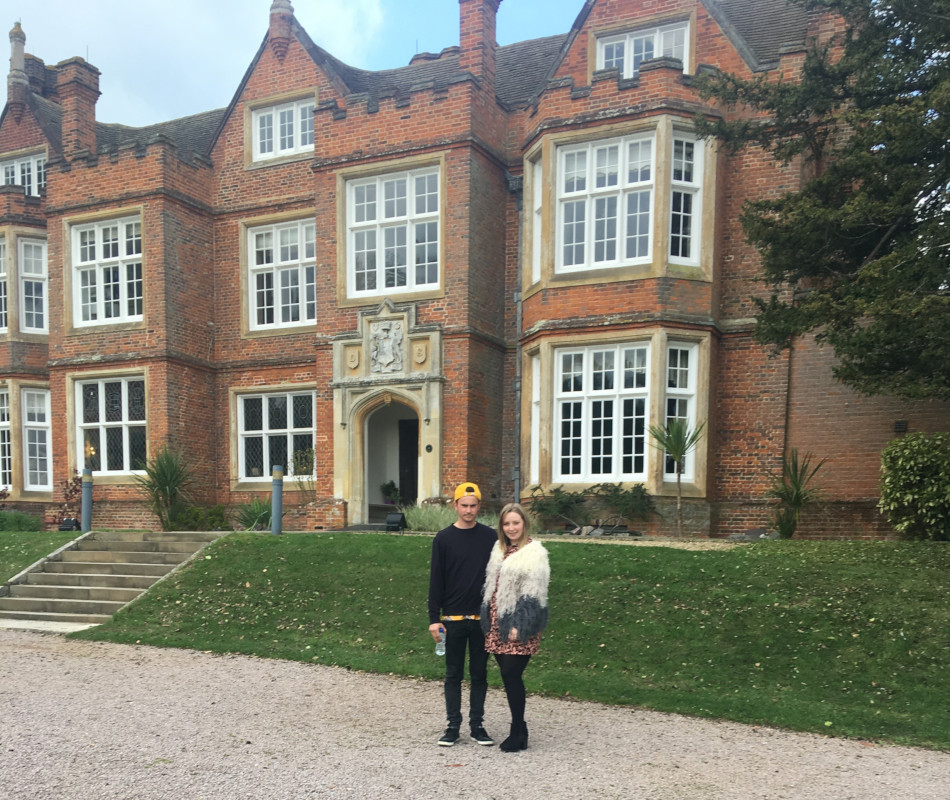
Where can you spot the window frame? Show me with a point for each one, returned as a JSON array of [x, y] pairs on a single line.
[[680, 388], [591, 195], [37, 279], [631, 64], [119, 275], [584, 433], [4, 287], [26, 171], [266, 432], [301, 123], [103, 424], [367, 237], [6, 440], [688, 185], [36, 433], [304, 266]]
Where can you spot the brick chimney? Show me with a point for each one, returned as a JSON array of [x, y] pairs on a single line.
[[18, 84], [477, 38], [281, 16], [77, 84]]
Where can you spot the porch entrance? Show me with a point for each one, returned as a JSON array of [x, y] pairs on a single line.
[[391, 459]]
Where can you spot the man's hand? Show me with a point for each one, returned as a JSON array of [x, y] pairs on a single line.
[[435, 629], [513, 636]]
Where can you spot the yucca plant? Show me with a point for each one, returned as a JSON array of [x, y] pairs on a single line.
[[166, 485], [793, 490], [677, 441]]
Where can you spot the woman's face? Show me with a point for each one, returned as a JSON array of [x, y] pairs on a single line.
[[513, 527]]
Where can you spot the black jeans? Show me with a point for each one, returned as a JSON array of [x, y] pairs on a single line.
[[459, 635]]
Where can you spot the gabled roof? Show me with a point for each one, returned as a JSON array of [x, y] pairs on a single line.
[[760, 28], [757, 28]]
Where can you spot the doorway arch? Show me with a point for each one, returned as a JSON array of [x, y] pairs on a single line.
[[391, 456]]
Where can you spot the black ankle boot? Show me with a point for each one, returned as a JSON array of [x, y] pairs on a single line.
[[517, 738]]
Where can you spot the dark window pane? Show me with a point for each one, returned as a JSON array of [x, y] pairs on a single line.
[[253, 414], [303, 411], [90, 402], [138, 449], [136, 400], [277, 413], [113, 393], [115, 456], [253, 457], [278, 452], [91, 450]]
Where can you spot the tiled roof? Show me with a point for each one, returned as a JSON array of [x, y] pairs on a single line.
[[758, 28], [189, 134]]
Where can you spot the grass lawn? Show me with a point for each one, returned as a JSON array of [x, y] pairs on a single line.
[[21, 549], [844, 638]]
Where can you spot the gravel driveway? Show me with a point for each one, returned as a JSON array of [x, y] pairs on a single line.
[[101, 721]]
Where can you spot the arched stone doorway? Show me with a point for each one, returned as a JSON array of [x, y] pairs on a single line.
[[391, 456]]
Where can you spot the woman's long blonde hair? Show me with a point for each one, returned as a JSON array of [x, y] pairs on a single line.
[[503, 540]]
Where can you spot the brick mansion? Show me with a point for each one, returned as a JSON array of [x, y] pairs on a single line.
[[496, 263]]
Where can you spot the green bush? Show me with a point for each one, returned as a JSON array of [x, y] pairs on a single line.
[[630, 504], [166, 484], [198, 518], [433, 517], [19, 521], [915, 486], [254, 515], [559, 507]]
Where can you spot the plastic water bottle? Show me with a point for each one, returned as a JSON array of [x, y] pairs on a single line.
[[440, 645]]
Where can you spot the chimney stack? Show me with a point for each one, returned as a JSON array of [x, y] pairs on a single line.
[[77, 84], [477, 43], [18, 84], [281, 16]]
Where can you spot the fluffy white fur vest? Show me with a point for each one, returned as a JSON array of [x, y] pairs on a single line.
[[522, 581]]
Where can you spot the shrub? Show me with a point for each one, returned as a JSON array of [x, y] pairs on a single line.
[[630, 504], [915, 486], [254, 515], [793, 490], [430, 517], [558, 506], [19, 521], [199, 518], [165, 484]]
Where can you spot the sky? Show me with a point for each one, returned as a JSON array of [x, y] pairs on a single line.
[[164, 59]]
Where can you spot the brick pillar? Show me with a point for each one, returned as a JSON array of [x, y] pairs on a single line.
[[18, 84], [281, 16]]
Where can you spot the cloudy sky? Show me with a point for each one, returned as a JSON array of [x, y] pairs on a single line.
[[164, 59]]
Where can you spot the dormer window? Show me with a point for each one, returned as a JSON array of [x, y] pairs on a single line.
[[27, 171], [626, 51], [283, 130]]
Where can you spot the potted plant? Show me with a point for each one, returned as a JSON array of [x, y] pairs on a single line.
[[390, 492]]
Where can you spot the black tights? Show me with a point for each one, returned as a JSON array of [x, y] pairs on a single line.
[[512, 668]]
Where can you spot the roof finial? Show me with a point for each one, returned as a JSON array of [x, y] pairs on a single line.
[[281, 16]]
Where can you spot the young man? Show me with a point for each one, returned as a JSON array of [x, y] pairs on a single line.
[[456, 575]]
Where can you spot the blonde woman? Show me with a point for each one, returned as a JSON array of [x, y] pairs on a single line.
[[515, 611]]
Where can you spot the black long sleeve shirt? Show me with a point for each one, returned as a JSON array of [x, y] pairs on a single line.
[[457, 570]]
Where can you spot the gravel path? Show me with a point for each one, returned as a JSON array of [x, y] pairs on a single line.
[[100, 721]]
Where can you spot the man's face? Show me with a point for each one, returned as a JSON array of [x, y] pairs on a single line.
[[467, 509]]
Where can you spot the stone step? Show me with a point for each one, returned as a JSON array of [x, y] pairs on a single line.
[[53, 592], [175, 546], [106, 568], [158, 536], [139, 582], [40, 616], [47, 605], [123, 557]]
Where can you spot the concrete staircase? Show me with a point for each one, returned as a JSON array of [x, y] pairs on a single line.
[[102, 572]]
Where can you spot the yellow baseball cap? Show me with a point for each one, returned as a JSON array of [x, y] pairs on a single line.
[[465, 489]]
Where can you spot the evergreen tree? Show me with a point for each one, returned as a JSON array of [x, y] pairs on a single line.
[[861, 254]]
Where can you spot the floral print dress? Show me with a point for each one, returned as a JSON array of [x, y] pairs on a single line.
[[493, 642]]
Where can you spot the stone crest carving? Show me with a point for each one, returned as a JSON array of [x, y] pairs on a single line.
[[419, 352], [386, 346], [352, 358]]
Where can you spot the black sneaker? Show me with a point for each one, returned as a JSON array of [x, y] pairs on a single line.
[[480, 736], [450, 737]]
